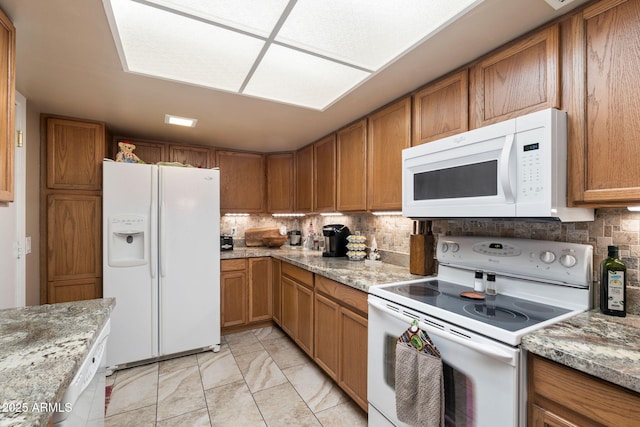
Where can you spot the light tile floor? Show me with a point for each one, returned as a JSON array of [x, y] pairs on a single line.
[[258, 378]]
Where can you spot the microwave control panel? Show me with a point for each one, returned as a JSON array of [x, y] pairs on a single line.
[[531, 165]]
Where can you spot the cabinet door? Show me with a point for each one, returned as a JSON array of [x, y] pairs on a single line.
[[543, 418], [260, 291], [304, 335], [353, 356], [324, 174], [289, 306], [7, 106], [326, 338], [389, 133], [75, 150], [233, 298], [352, 167], [147, 151], [242, 182], [441, 109], [609, 145], [73, 290], [74, 249], [276, 278], [520, 79], [194, 156], [280, 183], [304, 180]]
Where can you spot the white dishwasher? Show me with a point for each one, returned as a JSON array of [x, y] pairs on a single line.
[[83, 402]]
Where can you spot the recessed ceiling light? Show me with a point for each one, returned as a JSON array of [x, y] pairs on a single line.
[[180, 121], [307, 53]]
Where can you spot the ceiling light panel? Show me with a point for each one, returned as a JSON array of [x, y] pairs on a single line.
[[171, 46], [253, 16], [366, 33], [294, 77]]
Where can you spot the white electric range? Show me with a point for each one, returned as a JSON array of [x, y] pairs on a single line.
[[538, 283]]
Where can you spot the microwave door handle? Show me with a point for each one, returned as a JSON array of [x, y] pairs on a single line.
[[487, 350], [505, 169]]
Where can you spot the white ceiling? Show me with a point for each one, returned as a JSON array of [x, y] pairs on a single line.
[[68, 64]]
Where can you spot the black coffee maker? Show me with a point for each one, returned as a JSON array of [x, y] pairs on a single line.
[[335, 240]]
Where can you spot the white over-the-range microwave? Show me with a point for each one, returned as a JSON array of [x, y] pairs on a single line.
[[513, 169]]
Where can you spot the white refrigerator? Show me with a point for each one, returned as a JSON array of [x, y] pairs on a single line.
[[161, 260]]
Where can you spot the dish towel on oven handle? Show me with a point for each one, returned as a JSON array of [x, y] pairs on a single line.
[[419, 380]]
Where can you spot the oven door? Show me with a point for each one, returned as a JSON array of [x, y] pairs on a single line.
[[471, 174], [481, 376]]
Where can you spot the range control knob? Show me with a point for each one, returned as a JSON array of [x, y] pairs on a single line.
[[547, 257], [445, 246], [568, 260], [455, 247]]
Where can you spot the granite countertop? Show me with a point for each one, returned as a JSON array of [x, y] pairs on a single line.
[[606, 347], [41, 349], [357, 274]]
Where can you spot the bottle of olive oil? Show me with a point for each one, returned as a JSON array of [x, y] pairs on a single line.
[[613, 284]]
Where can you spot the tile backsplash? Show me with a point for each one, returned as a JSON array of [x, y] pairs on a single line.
[[610, 227]]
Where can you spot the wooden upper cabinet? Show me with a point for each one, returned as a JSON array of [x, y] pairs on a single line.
[[303, 177], [7, 106], [441, 108], [389, 133], [324, 174], [194, 156], [280, 183], [75, 150], [519, 79], [351, 148], [242, 182], [605, 148], [148, 151]]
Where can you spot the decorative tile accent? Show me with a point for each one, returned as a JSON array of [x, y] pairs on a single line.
[[612, 226]]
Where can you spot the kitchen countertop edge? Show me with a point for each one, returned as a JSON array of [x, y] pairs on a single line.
[[605, 347], [42, 349]]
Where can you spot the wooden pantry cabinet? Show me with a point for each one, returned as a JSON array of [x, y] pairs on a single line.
[[561, 396], [280, 183], [520, 78], [242, 182], [389, 132], [340, 336], [71, 209], [324, 174], [7, 106], [245, 293], [441, 108], [351, 166], [297, 305], [604, 97]]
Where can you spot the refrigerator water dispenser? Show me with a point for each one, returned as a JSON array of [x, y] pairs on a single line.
[[127, 240]]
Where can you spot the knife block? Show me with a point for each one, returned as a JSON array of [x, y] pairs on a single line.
[[421, 254]]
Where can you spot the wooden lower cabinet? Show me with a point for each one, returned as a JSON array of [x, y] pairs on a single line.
[[297, 306], [561, 396], [245, 293], [276, 277], [341, 336]]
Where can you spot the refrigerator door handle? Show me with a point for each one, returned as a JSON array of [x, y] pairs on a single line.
[[152, 226], [162, 244]]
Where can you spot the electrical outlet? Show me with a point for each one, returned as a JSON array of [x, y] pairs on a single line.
[[234, 230]]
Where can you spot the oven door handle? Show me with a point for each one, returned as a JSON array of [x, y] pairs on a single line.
[[492, 352]]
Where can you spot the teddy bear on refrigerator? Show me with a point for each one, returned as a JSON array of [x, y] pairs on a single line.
[[126, 153]]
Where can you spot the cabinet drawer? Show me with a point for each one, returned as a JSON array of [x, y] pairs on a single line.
[[303, 276], [348, 296], [582, 394], [233, 264]]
